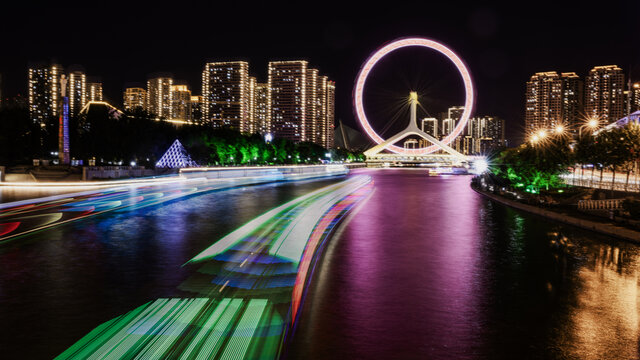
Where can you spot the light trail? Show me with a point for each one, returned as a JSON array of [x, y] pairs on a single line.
[[248, 288], [15, 220]]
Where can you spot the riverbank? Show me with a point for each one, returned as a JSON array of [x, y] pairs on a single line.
[[601, 227]]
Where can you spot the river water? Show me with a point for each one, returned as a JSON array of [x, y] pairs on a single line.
[[428, 269], [425, 268]]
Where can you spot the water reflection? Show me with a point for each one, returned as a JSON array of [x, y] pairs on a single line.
[[603, 320], [59, 284], [430, 269]]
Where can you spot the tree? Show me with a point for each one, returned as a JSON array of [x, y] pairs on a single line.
[[535, 165], [20, 137]]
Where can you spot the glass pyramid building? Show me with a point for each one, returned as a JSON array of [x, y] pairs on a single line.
[[176, 157]]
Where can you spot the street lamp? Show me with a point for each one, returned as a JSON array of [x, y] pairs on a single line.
[[559, 129], [535, 138], [591, 123], [542, 134]]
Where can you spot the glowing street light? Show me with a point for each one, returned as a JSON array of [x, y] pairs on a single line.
[[591, 123], [559, 129], [535, 138], [542, 134], [480, 166]]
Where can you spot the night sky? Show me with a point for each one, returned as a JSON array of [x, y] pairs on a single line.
[[503, 45]]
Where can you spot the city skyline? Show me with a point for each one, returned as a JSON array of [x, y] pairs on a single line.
[[500, 45]]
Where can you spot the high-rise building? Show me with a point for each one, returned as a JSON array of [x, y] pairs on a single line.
[[321, 112], [491, 133], [288, 85], [312, 129], [321, 108], [95, 91], [454, 114], [180, 103], [262, 106], [572, 100], [196, 109], [430, 126], [330, 117], [44, 92], [159, 96], [324, 112], [604, 93], [77, 91], [302, 103], [225, 92], [483, 134], [543, 102], [251, 118], [634, 100], [135, 98]]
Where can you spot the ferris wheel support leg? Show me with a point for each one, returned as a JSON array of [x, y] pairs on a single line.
[[410, 131]]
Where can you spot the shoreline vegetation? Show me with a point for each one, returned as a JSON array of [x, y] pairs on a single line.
[[136, 137], [529, 177], [616, 227]]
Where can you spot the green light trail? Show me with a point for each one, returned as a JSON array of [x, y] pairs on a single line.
[[244, 288]]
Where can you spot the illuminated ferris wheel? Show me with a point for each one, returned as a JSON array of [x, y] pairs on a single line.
[[412, 128]]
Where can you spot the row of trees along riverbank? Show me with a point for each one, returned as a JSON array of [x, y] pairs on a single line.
[[138, 137], [534, 169], [538, 164]]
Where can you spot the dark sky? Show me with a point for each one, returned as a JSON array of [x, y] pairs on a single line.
[[503, 45]]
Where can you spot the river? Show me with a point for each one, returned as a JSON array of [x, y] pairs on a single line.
[[425, 268], [429, 269]]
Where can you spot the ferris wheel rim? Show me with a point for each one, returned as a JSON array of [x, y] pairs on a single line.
[[397, 44]]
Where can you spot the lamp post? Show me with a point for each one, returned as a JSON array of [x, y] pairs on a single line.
[[592, 124]]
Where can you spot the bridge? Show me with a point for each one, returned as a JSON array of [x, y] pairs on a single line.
[[447, 156]]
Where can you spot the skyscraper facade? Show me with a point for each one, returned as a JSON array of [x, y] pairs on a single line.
[[180, 103], [543, 102], [77, 91], [95, 91], [135, 98], [330, 114], [225, 93], [196, 109], [634, 101], [491, 134], [313, 105], [302, 103], [288, 85], [454, 114], [262, 106], [252, 120], [324, 112], [44, 92], [430, 126], [159, 96], [604, 93], [572, 100]]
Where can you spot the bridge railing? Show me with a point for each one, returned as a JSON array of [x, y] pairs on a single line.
[[608, 204], [606, 185]]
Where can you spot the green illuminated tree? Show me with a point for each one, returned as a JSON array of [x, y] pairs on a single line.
[[535, 165]]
